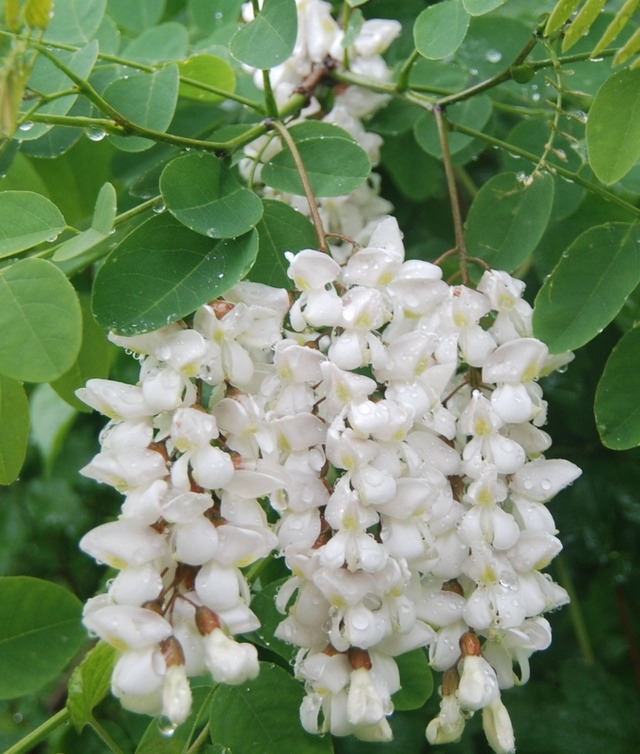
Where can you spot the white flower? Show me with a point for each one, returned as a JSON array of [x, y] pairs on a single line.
[[498, 728], [478, 685], [229, 661]]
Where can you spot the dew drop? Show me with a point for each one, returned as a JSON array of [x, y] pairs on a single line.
[[159, 207], [26, 126], [493, 56], [95, 134], [166, 727]]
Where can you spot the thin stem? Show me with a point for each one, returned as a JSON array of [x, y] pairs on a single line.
[[271, 106], [115, 59], [403, 77], [499, 78], [105, 737], [27, 743], [452, 188], [551, 167], [575, 611], [306, 184]]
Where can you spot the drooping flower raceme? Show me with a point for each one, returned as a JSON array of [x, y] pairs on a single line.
[[411, 498], [391, 426]]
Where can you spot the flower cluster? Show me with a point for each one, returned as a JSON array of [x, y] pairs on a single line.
[[393, 423], [190, 519], [389, 422], [321, 39]]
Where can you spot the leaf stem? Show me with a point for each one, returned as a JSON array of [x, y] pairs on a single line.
[[27, 743], [106, 58], [105, 736], [461, 247], [551, 167], [304, 178], [575, 611], [403, 77], [499, 78]]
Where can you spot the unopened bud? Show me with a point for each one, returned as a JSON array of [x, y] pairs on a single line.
[[221, 308], [453, 585], [172, 651], [359, 658], [206, 620], [470, 644], [450, 681]]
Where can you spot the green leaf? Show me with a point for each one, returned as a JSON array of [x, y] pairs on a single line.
[[628, 49], [158, 44], [40, 321], [561, 13], [440, 29], [416, 680], [615, 26], [40, 631], [106, 207], [269, 39], [205, 195], [261, 716], [209, 70], [14, 420], [146, 99], [51, 421], [613, 127], [264, 607], [582, 23], [415, 173], [492, 43], [138, 16], [27, 219], [281, 228], [101, 226], [89, 684], [616, 405], [507, 219], [92, 361], [588, 286], [75, 21], [162, 271], [473, 113], [479, 7], [335, 164]]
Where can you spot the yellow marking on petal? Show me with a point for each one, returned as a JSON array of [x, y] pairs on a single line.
[[485, 497], [285, 372], [284, 444], [385, 278], [489, 576], [350, 522], [542, 563], [530, 373], [343, 393], [337, 600], [348, 462], [481, 427], [421, 365], [459, 320], [116, 642], [115, 562], [505, 302]]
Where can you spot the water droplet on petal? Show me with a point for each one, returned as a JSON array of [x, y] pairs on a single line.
[[166, 727]]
